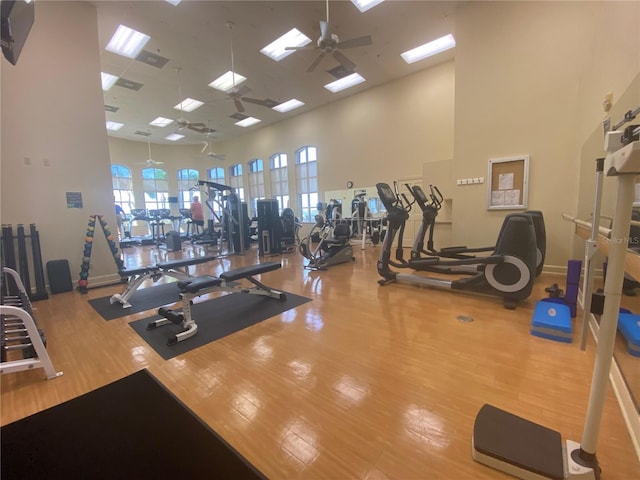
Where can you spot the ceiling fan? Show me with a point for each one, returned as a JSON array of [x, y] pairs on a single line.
[[149, 162], [237, 94], [183, 122], [329, 43], [208, 144]]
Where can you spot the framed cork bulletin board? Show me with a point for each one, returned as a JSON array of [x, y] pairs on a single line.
[[507, 183]]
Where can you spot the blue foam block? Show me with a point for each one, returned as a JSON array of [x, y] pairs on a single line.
[[573, 309], [552, 321], [629, 326]]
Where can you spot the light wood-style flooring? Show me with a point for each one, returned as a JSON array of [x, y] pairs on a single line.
[[364, 382]]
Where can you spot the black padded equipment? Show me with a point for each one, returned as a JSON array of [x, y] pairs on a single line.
[[518, 442], [250, 270]]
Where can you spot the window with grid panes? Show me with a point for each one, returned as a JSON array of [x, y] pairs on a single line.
[[122, 181], [217, 175], [156, 188], [235, 180], [279, 180], [307, 182], [187, 178], [256, 184]]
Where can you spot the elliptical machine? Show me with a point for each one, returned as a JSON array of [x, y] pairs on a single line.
[[332, 247], [508, 272], [430, 207]]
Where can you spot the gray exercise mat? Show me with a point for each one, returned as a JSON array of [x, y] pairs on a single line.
[[142, 300], [216, 318]]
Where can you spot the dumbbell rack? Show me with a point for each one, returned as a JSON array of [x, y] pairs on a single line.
[[22, 342]]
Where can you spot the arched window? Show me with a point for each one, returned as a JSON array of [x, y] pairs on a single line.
[[122, 181], [156, 188], [235, 180], [279, 180], [307, 182], [187, 178], [256, 183], [216, 175]]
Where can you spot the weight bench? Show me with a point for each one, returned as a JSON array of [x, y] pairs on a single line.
[[178, 269], [189, 289]]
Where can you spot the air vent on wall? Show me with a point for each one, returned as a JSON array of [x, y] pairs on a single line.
[[340, 72], [144, 134], [110, 108], [152, 59], [130, 84]]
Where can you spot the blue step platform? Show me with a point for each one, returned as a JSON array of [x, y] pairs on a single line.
[[629, 327], [552, 321]]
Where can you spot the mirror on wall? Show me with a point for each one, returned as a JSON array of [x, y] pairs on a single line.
[[593, 148]]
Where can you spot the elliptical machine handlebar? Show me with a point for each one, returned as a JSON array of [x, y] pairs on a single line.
[[436, 197]]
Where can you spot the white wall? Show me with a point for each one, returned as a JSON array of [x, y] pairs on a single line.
[[52, 110], [530, 79], [382, 134]]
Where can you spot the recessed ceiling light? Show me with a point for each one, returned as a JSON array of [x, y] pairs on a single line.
[[288, 105], [226, 82], [174, 2], [247, 122], [114, 126], [364, 5], [293, 38], [173, 137], [161, 122], [108, 80], [127, 42], [188, 105], [345, 82], [429, 49]]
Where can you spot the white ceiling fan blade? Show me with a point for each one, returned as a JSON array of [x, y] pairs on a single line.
[[355, 42], [239, 105], [344, 61], [306, 47], [206, 144], [316, 62]]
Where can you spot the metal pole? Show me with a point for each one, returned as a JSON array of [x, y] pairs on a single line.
[[609, 318], [591, 247]]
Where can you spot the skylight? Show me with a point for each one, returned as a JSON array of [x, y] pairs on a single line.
[[288, 105], [293, 38], [247, 122], [173, 137], [108, 80], [161, 122], [114, 126], [225, 82], [434, 47], [127, 42], [173, 2], [188, 105], [364, 5], [345, 82]]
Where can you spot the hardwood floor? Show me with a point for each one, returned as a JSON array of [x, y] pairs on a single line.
[[364, 382]]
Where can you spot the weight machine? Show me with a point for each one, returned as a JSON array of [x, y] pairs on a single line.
[[233, 225]]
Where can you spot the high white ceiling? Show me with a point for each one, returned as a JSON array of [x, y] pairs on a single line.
[[195, 37]]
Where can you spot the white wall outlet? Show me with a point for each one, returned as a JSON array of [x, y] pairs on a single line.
[[458, 182], [481, 179], [464, 181]]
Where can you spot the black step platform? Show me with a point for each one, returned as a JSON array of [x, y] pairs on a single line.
[[517, 446]]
